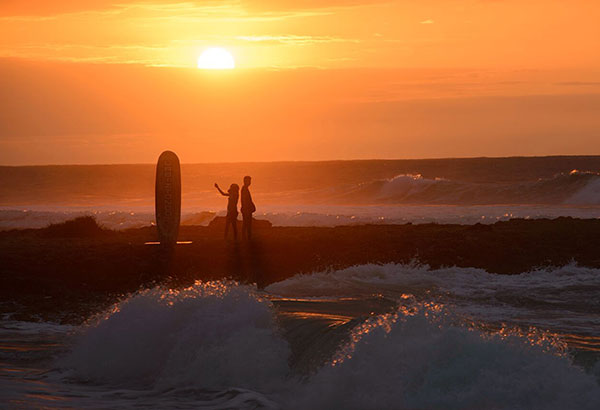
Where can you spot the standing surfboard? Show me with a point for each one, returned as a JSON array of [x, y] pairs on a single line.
[[167, 201]]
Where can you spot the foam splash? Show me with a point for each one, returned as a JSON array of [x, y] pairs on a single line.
[[218, 345], [417, 363], [392, 279], [210, 336], [560, 300]]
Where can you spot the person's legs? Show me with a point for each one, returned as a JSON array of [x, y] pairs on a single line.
[[247, 226], [231, 220], [234, 226], [244, 226]]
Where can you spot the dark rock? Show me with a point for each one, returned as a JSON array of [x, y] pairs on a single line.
[[199, 218], [219, 223], [81, 227]]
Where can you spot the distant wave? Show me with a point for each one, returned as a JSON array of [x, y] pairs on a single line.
[[312, 215], [565, 194], [581, 188], [469, 181]]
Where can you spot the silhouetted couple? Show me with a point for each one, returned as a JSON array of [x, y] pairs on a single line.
[[247, 208]]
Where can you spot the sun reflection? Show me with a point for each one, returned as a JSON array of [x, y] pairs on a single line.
[[438, 314], [169, 296], [550, 342], [410, 307]]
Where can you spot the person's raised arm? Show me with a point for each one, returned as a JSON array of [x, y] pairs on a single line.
[[220, 190]]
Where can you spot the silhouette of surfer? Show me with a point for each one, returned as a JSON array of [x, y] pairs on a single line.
[[247, 209], [231, 219]]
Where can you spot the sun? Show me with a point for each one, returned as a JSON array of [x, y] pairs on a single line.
[[216, 58]]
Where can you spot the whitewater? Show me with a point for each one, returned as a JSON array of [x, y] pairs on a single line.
[[300, 215], [365, 337], [393, 336], [399, 199]]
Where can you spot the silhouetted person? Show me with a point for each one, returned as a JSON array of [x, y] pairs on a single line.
[[231, 219], [248, 209]]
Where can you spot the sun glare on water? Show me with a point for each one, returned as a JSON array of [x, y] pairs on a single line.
[[216, 58]]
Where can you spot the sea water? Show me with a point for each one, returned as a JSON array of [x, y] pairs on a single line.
[[366, 337], [464, 191]]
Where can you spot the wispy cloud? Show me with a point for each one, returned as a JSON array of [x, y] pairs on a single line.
[[39, 10], [580, 83], [296, 39], [78, 53], [428, 21], [306, 4]]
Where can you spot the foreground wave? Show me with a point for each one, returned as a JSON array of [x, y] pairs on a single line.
[[405, 337]]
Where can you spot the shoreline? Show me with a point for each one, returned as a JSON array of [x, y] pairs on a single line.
[[49, 270]]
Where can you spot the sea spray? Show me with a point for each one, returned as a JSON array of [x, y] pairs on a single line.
[[561, 299], [416, 362], [211, 335], [218, 344]]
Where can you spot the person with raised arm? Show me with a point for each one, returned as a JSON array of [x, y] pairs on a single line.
[[231, 219]]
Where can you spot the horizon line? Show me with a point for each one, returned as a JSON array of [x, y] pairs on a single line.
[[305, 161]]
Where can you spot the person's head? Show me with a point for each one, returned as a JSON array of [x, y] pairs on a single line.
[[247, 180], [234, 188]]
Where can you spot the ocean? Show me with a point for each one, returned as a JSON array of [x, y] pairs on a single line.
[[367, 337], [331, 193], [373, 336]]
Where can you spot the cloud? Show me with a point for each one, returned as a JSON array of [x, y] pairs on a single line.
[[306, 4], [330, 108], [580, 83], [296, 39], [46, 8], [428, 21], [79, 53], [56, 7]]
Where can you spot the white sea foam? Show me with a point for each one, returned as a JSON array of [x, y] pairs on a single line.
[[308, 215], [588, 195], [420, 364], [560, 299], [363, 280], [210, 336], [403, 186], [216, 345], [222, 336]]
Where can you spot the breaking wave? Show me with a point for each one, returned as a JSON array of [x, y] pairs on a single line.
[[561, 300], [401, 199], [211, 335], [221, 345], [415, 362], [580, 188]]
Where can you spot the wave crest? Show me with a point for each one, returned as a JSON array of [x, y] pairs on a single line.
[[211, 335], [575, 187]]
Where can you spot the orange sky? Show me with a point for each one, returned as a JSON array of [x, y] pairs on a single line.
[[106, 81]]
